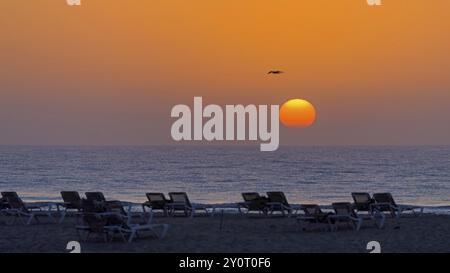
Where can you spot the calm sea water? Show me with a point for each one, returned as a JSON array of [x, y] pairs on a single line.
[[414, 175]]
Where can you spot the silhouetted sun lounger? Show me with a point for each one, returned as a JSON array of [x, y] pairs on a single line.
[[95, 216], [71, 203], [18, 209], [13, 194], [344, 213], [100, 197], [98, 220], [384, 202], [156, 201], [278, 202], [313, 216], [179, 201], [92, 223], [254, 202], [116, 206], [363, 202]]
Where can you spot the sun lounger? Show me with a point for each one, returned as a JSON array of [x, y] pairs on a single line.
[[71, 202], [112, 204], [253, 202], [115, 206], [384, 202], [92, 223], [179, 201], [362, 202], [97, 219], [95, 215], [13, 194], [156, 201], [278, 202], [313, 216], [365, 207], [344, 213], [18, 209]]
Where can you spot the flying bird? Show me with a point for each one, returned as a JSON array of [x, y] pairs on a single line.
[[275, 72]]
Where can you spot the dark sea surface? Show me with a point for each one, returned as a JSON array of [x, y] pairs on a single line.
[[210, 174]]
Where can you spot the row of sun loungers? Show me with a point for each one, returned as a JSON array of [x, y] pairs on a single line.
[[365, 207], [95, 215], [177, 201], [112, 217], [275, 201]]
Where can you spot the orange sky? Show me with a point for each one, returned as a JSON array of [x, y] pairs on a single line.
[[109, 72]]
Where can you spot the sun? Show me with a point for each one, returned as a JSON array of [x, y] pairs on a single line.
[[297, 113]]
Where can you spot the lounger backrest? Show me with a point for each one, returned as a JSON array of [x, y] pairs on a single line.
[[179, 197], [362, 200], [155, 197], [343, 209], [11, 194], [311, 210], [71, 197], [97, 196], [277, 197], [384, 197], [250, 196], [16, 203]]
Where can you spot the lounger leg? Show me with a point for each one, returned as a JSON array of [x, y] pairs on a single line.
[[150, 217], [133, 233], [358, 223], [420, 211], [30, 218], [14, 219], [164, 232], [52, 218], [19, 215], [88, 235], [381, 221], [331, 226], [63, 217]]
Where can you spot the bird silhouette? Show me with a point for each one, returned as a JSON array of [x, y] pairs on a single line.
[[275, 72]]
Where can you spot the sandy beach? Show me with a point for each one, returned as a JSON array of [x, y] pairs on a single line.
[[427, 233]]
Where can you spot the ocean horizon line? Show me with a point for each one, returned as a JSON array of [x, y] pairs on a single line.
[[199, 144]]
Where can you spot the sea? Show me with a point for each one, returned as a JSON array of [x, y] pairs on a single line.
[[219, 174]]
